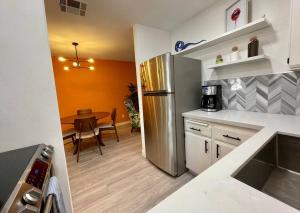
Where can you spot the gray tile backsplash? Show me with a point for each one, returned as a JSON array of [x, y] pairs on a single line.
[[274, 93]]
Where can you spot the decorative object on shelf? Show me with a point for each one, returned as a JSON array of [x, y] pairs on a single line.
[[236, 15], [244, 30], [240, 61], [180, 45], [76, 62], [219, 59], [253, 47], [132, 106], [235, 55]]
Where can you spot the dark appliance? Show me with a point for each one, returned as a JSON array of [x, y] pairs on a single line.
[[24, 179], [211, 98]]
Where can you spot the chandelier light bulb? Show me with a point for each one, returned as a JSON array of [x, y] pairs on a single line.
[[91, 68], [75, 64], [91, 60], [66, 68], [61, 59]]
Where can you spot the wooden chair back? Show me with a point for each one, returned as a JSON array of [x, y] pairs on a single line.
[[85, 124], [114, 116], [84, 111]]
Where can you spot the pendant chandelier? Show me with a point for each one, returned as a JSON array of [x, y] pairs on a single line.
[[76, 62]]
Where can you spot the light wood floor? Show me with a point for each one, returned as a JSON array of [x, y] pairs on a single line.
[[121, 180]]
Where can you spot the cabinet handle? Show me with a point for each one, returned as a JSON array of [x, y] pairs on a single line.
[[228, 136], [218, 154], [206, 149], [192, 128]]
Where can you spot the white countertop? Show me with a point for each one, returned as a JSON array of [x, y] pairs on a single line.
[[214, 190]]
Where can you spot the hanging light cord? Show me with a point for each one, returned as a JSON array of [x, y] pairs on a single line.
[[76, 54]]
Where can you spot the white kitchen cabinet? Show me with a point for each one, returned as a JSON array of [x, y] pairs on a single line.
[[207, 142], [294, 55], [198, 152], [220, 149]]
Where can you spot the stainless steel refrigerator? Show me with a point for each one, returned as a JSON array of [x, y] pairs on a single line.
[[171, 85]]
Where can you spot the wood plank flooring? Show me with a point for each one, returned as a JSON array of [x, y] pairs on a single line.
[[121, 180]]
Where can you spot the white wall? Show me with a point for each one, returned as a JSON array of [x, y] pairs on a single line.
[[273, 41], [148, 42], [29, 111]]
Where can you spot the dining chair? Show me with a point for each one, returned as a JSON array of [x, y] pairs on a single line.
[[84, 111], [86, 128], [69, 133], [109, 126]]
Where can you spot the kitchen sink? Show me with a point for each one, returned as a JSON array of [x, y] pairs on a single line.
[[275, 170]]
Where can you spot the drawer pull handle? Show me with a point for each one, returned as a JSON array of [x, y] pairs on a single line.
[[206, 149], [192, 128], [218, 154], [228, 136]]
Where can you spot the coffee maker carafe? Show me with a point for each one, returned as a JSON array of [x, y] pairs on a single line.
[[211, 98]]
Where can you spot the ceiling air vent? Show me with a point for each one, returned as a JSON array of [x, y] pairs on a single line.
[[72, 6]]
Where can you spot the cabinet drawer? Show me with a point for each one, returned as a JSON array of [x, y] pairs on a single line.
[[232, 135], [199, 128]]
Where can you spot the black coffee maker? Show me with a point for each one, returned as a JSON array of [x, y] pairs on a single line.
[[211, 98]]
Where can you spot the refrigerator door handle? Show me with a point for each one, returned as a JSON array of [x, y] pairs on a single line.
[[157, 93]]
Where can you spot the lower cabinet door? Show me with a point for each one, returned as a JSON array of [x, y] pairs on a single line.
[[198, 152], [220, 149]]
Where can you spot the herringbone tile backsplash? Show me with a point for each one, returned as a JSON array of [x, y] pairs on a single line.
[[274, 93]]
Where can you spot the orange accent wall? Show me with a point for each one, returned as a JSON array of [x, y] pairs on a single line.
[[101, 89]]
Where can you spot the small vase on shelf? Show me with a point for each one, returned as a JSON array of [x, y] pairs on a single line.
[[253, 47], [235, 55], [219, 59]]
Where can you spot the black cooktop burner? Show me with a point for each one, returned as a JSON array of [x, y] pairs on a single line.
[[12, 165]]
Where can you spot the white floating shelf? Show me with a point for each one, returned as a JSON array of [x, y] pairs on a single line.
[[246, 60], [246, 29]]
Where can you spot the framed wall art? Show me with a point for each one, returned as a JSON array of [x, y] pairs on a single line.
[[236, 15]]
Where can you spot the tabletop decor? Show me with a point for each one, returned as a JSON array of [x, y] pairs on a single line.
[[180, 45], [236, 15]]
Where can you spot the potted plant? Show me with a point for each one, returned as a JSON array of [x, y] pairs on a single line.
[[132, 105]]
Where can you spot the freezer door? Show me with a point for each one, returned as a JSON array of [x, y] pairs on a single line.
[[160, 137], [157, 74]]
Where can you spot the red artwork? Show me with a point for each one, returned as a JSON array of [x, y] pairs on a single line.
[[235, 15]]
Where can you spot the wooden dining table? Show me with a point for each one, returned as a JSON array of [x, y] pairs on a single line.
[[71, 119]]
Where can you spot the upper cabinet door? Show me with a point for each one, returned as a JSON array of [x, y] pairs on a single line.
[[295, 35], [157, 74]]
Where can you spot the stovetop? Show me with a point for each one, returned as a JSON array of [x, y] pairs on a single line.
[[12, 165]]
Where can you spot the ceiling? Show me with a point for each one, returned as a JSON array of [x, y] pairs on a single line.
[[106, 30]]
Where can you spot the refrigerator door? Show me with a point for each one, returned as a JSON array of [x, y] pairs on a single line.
[[157, 74], [160, 130]]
